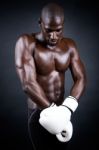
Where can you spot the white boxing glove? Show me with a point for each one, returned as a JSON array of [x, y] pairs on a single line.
[[71, 103], [62, 127], [66, 134], [56, 119]]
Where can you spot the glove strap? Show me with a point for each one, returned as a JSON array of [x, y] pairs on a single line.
[[68, 108], [71, 103]]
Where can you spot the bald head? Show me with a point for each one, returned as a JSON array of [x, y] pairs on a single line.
[[51, 23], [52, 13]]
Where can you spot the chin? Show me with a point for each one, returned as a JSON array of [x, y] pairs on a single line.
[[53, 43]]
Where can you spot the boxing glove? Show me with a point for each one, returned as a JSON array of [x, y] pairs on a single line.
[[56, 119], [71, 103], [66, 134]]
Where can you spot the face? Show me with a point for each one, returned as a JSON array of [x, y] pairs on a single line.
[[52, 31]]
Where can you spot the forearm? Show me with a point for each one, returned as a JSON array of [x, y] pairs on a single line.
[[78, 88], [32, 89], [36, 93]]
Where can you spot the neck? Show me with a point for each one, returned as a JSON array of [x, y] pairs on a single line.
[[51, 47]]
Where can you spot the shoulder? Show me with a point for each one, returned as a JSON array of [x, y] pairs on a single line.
[[72, 47], [25, 41], [70, 43], [27, 38], [24, 48]]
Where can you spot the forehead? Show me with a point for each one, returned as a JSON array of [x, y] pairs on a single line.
[[52, 23]]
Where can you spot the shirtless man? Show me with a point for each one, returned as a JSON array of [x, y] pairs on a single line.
[[41, 60]]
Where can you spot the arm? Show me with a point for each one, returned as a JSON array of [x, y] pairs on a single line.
[[78, 73], [48, 117], [26, 70]]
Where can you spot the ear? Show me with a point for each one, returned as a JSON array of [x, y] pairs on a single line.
[[39, 21]]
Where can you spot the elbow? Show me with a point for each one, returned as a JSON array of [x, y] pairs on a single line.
[[85, 84], [25, 88], [83, 81]]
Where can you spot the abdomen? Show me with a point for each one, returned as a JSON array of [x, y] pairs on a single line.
[[53, 86]]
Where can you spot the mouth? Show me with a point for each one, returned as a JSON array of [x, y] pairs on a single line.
[[53, 42]]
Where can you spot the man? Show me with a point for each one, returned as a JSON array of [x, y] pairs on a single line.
[[41, 60]]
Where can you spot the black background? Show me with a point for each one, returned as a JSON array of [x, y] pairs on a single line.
[[82, 25]]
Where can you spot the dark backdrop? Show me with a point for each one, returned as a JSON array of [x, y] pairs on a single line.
[[82, 25]]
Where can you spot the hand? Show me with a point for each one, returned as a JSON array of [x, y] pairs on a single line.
[[66, 134], [56, 119]]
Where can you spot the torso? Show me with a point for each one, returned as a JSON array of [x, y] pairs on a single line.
[[51, 65]]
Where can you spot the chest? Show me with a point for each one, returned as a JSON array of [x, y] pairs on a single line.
[[47, 61]]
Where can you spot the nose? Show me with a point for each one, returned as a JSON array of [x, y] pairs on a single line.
[[53, 36]]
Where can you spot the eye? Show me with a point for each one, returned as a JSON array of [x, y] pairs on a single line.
[[58, 30], [48, 30]]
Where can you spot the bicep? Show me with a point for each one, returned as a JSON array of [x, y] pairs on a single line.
[[29, 68], [24, 62]]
